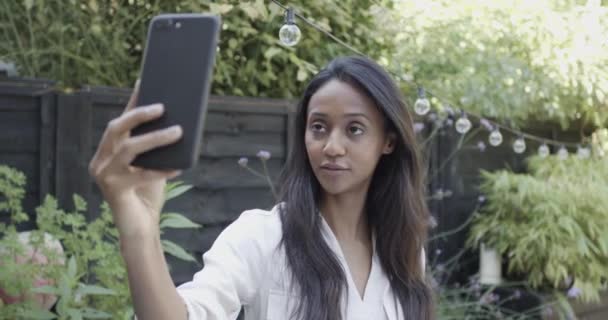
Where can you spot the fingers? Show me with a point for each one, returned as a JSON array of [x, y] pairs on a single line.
[[133, 146], [117, 131], [146, 176]]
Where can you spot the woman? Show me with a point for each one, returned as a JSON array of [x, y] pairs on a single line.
[[345, 242]]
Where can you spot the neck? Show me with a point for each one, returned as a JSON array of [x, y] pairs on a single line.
[[345, 214]]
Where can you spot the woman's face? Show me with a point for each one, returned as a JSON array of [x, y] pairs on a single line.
[[345, 137]]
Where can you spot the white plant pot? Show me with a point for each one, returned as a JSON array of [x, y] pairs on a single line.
[[490, 266]]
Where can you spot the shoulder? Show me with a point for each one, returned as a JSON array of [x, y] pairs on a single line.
[[256, 229]]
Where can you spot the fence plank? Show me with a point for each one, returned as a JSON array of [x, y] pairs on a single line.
[[47, 144], [225, 173], [20, 131], [73, 147]]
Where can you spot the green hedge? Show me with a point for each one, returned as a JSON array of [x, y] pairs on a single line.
[[100, 42]]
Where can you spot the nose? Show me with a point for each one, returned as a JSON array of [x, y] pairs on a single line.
[[334, 147]]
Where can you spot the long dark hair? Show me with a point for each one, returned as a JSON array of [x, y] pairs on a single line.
[[395, 204]]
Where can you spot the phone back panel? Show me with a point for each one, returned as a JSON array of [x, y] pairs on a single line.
[[177, 71]]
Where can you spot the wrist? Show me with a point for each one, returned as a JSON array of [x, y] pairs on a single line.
[[137, 244]]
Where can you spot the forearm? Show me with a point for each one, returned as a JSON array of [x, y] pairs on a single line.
[[152, 289]]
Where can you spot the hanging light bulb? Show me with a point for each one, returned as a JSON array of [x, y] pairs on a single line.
[[543, 150], [463, 124], [290, 34], [519, 146], [422, 105], [583, 152], [562, 154], [495, 138]]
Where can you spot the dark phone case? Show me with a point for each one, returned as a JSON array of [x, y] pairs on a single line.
[[177, 71]]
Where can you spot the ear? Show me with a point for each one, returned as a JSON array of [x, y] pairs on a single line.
[[389, 144]]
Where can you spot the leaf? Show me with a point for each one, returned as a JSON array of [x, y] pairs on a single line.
[[220, 8], [250, 10], [72, 268], [29, 4], [90, 313], [75, 314], [174, 191], [301, 75], [176, 251], [37, 314], [46, 290], [176, 220], [79, 203], [271, 52], [86, 289]]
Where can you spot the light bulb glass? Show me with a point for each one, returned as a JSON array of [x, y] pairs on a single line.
[[562, 154], [422, 106], [519, 146], [463, 125], [495, 138], [543, 150], [290, 34], [583, 152]]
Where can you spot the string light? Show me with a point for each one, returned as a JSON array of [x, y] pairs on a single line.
[[562, 154], [495, 138], [543, 150], [463, 124], [289, 33], [519, 145], [424, 107], [583, 152]]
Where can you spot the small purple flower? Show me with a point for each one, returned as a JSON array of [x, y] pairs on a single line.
[[481, 146], [418, 127], [481, 199], [574, 292], [263, 155], [437, 252], [243, 162], [449, 122], [489, 298], [517, 294], [432, 116]]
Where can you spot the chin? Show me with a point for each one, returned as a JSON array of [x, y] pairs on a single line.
[[334, 188]]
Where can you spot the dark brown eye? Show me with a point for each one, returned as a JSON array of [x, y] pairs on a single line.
[[355, 130], [317, 127]]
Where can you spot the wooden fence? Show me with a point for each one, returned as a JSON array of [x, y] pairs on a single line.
[[51, 136]]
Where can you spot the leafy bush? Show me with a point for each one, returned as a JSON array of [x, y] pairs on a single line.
[[520, 60], [95, 280], [101, 42], [551, 223]]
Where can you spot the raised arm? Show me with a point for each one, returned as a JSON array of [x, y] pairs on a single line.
[[136, 197]]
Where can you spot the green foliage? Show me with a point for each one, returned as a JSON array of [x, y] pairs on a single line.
[[103, 43], [522, 60], [551, 223], [94, 284]]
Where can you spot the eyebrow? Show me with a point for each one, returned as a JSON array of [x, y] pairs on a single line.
[[348, 115]]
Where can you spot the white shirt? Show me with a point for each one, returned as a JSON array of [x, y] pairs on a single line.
[[246, 268]]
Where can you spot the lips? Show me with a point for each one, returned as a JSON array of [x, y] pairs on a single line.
[[333, 167]]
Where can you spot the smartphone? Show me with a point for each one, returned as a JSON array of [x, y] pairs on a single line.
[[177, 71]]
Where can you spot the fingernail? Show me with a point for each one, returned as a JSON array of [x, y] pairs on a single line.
[[175, 129], [155, 108]]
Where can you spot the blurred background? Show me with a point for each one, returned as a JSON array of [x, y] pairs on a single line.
[[511, 109]]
